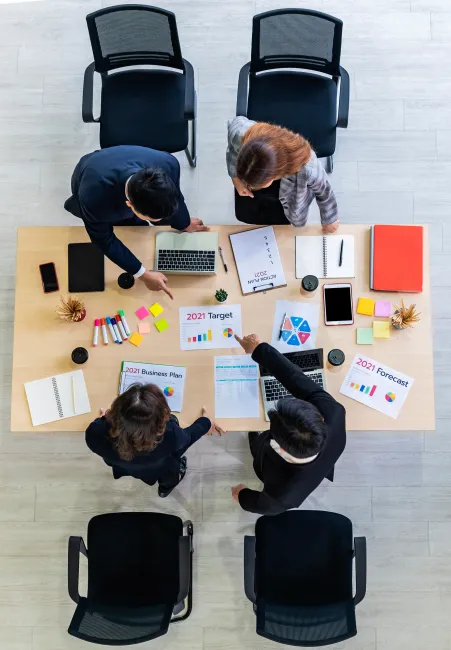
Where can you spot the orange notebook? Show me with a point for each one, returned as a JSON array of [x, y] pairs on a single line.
[[397, 258]]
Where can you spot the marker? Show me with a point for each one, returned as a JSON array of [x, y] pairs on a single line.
[[281, 327], [116, 330], [121, 327], [112, 332], [124, 322], [104, 332], [95, 340], [341, 253]]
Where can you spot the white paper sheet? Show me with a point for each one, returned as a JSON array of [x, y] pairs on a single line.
[[257, 259], [52, 399], [299, 324], [236, 387], [206, 328], [171, 380], [376, 385]]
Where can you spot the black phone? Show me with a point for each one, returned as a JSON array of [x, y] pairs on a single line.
[[48, 277]]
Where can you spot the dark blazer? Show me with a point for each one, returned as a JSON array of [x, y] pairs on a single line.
[[157, 465], [287, 485], [98, 197]]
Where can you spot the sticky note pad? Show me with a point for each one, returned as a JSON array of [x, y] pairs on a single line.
[[136, 339], [155, 309], [382, 309], [365, 306], [381, 329], [142, 312], [161, 325], [144, 328], [364, 335]]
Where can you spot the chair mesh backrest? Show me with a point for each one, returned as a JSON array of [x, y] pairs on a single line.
[[307, 626], [292, 38], [134, 35]]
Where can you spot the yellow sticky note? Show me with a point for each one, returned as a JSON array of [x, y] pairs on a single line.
[[155, 309], [144, 327], [161, 324], [365, 306], [136, 339], [381, 329]]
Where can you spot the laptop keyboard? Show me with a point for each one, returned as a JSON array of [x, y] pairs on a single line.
[[194, 261], [310, 359], [275, 391]]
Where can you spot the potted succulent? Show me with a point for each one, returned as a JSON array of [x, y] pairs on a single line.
[[71, 309], [221, 295], [404, 317]]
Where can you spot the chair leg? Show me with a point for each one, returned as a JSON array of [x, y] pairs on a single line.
[[192, 155], [329, 164]]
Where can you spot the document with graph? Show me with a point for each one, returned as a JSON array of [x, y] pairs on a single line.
[[207, 328], [170, 379], [236, 387]]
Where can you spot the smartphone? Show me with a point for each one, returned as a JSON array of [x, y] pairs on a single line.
[[338, 304], [48, 277]]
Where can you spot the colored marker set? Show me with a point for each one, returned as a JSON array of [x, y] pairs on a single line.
[[117, 325]]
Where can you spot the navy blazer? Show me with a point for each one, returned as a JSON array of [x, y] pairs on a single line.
[[98, 197]]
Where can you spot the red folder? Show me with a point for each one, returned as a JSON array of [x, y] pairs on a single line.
[[398, 258]]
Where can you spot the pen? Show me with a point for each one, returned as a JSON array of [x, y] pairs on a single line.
[[104, 332], [95, 340], [112, 332], [281, 326], [121, 327], [124, 322], [341, 253], [116, 330], [222, 257], [73, 395]]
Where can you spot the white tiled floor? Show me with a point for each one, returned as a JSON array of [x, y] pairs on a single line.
[[392, 165]]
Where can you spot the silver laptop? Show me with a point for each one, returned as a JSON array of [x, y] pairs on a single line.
[[187, 253]]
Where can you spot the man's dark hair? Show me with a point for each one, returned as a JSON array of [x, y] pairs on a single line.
[[298, 427], [153, 194]]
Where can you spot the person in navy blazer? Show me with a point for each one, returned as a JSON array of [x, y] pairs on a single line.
[[129, 186]]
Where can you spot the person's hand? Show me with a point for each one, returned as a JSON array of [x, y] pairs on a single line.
[[102, 412], [330, 228], [197, 225], [215, 428], [249, 342], [156, 281], [241, 188], [236, 490]]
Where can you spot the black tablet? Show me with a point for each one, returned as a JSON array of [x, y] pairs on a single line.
[[86, 268]]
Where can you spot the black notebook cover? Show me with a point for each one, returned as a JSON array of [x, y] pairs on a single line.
[[86, 268]]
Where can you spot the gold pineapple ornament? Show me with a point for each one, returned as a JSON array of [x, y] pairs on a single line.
[[405, 317], [71, 309]]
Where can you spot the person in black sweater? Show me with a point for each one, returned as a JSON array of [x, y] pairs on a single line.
[[307, 436], [138, 436]]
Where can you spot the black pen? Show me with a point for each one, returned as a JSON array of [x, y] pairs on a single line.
[[341, 253], [222, 257], [281, 327]]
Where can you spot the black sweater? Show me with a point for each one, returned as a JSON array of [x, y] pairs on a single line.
[[287, 485]]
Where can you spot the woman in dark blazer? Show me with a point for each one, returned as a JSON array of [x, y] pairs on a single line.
[[138, 436]]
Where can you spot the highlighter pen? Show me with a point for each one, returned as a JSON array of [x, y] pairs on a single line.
[[116, 330], [104, 332], [121, 327], [112, 332], [95, 340], [124, 322]]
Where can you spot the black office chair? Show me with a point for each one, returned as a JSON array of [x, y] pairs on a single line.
[[269, 90], [147, 107], [139, 577], [298, 574]]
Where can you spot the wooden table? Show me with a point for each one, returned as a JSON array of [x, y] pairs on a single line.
[[43, 344]]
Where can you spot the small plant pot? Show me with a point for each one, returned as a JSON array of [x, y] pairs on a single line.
[[220, 302], [221, 296], [395, 325]]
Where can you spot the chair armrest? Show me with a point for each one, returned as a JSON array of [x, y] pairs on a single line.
[[88, 95], [184, 567], [343, 102], [190, 93], [242, 92], [75, 547], [360, 569], [249, 568]]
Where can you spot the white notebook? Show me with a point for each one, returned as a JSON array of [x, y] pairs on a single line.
[[257, 259], [52, 398], [320, 256]]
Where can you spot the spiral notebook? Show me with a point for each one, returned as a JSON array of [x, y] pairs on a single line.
[[320, 256], [57, 398]]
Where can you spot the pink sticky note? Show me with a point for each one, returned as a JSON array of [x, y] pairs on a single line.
[[142, 312], [382, 309], [144, 328]]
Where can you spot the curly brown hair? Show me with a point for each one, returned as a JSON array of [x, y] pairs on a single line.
[[137, 420]]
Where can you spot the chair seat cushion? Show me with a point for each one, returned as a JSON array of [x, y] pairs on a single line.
[[304, 103], [144, 107]]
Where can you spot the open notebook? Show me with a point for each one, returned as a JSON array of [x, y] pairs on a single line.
[[52, 398], [320, 256]]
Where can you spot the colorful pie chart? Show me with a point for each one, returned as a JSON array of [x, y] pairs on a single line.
[[228, 333], [390, 397], [168, 391]]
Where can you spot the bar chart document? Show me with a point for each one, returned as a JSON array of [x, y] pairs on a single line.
[[206, 328], [236, 387], [170, 379]]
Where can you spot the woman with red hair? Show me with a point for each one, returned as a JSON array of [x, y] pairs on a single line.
[[276, 175]]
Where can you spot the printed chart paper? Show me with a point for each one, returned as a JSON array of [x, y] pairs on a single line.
[[257, 259], [376, 385], [236, 387], [298, 322], [171, 380], [206, 328]]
